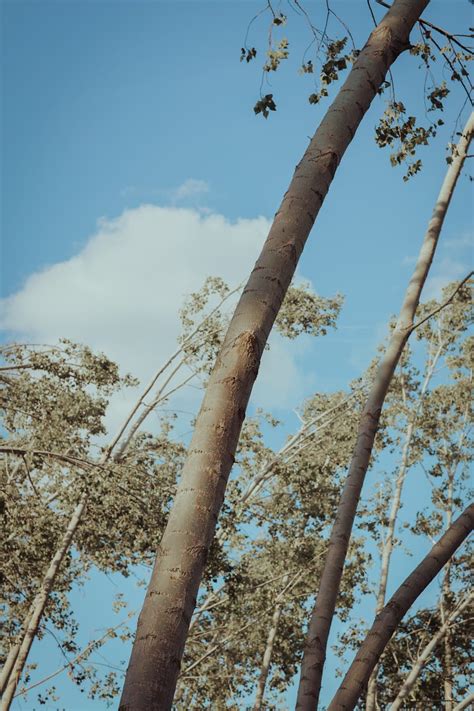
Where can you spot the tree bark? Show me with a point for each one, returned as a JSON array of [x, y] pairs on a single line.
[[386, 623], [426, 653], [323, 611], [171, 597]]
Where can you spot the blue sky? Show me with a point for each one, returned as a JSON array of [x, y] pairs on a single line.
[[133, 166]]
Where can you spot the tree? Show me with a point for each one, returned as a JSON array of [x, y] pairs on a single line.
[[57, 478], [154, 665], [388, 619], [320, 622], [430, 434], [265, 484], [424, 409]]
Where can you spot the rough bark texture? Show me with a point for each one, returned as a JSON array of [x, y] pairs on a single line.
[[386, 623], [426, 654], [321, 618], [171, 597]]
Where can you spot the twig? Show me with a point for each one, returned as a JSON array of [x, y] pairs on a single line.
[[433, 313]]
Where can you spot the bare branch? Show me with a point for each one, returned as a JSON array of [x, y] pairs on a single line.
[[443, 305]]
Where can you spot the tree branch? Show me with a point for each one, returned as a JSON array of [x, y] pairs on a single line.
[[443, 305]]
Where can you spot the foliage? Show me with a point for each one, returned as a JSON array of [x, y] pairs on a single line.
[[401, 132], [54, 401]]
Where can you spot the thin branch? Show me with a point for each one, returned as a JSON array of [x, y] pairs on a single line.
[[465, 702], [78, 658], [453, 69], [441, 31], [443, 305], [244, 627]]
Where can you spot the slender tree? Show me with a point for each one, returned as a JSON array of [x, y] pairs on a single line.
[[465, 703], [386, 622], [440, 340], [51, 417], [267, 656], [321, 618], [171, 597], [427, 652]]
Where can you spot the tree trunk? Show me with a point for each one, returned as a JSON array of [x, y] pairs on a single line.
[[267, 657], [445, 601], [38, 606], [394, 509], [426, 653], [465, 703], [386, 623], [321, 618], [171, 597]]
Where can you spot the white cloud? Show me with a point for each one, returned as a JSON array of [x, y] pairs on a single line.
[[189, 192], [121, 294], [191, 188]]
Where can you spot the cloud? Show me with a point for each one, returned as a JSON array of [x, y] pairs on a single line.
[[191, 188], [190, 191], [122, 292]]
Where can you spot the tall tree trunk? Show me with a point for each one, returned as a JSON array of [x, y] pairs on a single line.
[[409, 682], [394, 509], [163, 624], [386, 622], [321, 618], [464, 703], [445, 602], [267, 656]]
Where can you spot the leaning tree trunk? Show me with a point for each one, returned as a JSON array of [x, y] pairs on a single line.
[[171, 597], [323, 611], [388, 541], [424, 657], [465, 703], [386, 623]]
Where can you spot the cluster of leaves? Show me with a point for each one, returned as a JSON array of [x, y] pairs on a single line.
[[397, 130], [265, 105], [302, 312], [53, 402], [275, 55], [335, 62], [248, 54]]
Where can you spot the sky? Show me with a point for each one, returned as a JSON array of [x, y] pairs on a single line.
[[133, 167]]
